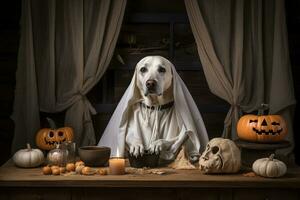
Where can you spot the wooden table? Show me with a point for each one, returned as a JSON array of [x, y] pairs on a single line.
[[17, 183]]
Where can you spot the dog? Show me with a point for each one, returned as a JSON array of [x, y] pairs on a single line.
[[153, 123]]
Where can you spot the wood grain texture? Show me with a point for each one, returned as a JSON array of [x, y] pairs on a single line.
[[146, 194], [11, 176]]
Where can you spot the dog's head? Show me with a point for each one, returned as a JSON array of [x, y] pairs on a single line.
[[154, 75]]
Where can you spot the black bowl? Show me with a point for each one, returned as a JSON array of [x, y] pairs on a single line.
[[94, 156], [147, 160]]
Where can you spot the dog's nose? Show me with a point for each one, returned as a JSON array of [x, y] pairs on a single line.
[[150, 84]]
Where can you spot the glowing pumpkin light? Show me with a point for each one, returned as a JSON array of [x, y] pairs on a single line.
[[48, 138], [262, 128]]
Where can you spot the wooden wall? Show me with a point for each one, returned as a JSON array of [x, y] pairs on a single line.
[[212, 108]]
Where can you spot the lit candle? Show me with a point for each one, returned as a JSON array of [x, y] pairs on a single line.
[[117, 165]]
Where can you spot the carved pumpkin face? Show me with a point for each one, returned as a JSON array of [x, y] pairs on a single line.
[[264, 128], [47, 138]]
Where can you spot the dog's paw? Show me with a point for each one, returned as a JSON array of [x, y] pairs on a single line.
[[156, 147], [136, 150], [194, 158]]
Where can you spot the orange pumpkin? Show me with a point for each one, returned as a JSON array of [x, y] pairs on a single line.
[[48, 138], [262, 128]]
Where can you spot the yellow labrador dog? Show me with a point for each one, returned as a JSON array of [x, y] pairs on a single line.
[[153, 123]]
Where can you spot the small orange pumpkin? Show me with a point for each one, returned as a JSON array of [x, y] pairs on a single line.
[[48, 138], [262, 128]]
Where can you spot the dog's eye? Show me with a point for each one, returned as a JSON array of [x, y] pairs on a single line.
[[143, 69], [161, 70]]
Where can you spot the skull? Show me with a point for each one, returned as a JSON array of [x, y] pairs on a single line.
[[220, 156]]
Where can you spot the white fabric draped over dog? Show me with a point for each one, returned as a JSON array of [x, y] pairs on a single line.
[[186, 111]]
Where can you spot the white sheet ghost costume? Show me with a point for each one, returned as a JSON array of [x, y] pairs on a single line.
[[174, 124]]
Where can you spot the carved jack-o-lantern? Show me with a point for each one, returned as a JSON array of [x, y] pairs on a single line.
[[262, 128], [48, 138]]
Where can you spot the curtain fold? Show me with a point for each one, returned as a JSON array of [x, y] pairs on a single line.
[[243, 49], [65, 48]]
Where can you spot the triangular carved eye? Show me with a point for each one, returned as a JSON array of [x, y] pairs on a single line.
[[275, 123], [264, 123]]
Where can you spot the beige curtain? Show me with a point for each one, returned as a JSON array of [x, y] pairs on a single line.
[[244, 53], [65, 47]]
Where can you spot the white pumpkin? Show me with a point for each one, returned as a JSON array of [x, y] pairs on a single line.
[[28, 157], [269, 167]]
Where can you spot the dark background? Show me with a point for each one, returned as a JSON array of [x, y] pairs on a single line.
[[162, 25]]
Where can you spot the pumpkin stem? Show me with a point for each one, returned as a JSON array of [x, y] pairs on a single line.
[[51, 123], [28, 147], [262, 108], [272, 156]]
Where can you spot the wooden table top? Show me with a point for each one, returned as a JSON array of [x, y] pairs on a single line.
[[11, 176]]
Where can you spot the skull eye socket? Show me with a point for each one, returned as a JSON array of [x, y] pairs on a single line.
[[215, 149], [51, 134], [60, 134]]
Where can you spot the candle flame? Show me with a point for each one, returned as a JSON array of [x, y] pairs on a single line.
[[118, 153]]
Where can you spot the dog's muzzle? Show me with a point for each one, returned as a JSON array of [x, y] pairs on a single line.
[[151, 86]]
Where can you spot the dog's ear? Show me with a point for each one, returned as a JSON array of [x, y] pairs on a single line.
[[168, 63]]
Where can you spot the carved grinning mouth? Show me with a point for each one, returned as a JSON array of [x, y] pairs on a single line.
[[270, 132], [54, 142]]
